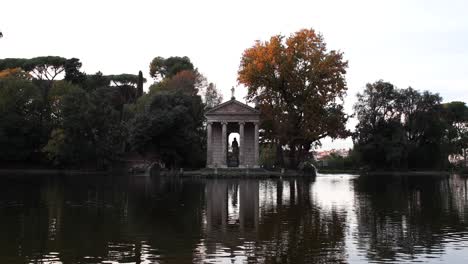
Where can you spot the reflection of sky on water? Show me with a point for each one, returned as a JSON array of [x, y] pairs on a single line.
[[335, 218], [411, 219], [336, 194], [333, 191]]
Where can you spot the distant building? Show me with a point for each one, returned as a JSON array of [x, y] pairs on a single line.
[[321, 155]]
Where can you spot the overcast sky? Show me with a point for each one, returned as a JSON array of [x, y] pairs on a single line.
[[420, 43]]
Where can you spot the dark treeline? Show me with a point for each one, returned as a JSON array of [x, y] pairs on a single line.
[[52, 113], [408, 129]]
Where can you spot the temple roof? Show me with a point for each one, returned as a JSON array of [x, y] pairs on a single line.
[[232, 107]]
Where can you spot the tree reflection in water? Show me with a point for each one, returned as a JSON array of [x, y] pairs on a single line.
[[403, 218], [337, 219]]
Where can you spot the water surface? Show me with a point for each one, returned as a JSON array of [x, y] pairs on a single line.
[[332, 219]]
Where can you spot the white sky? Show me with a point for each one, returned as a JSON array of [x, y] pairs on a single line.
[[418, 43]]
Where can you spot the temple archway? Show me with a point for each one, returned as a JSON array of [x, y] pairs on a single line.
[[233, 149]]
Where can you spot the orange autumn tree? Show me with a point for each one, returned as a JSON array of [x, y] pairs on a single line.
[[14, 72], [299, 86]]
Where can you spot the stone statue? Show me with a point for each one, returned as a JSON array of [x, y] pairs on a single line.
[[235, 149], [232, 93]]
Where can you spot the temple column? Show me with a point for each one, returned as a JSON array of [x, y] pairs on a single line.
[[224, 145], [241, 144], [209, 150], [256, 149]]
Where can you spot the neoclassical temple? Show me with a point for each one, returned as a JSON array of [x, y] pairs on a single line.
[[224, 119]]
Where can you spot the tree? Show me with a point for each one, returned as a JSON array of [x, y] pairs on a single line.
[[425, 129], [212, 96], [140, 84], [127, 90], [400, 128], [20, 106], [186, 81], [17, 73], [127, 84], [73, 73], [45, 68], [88, 130], [457, 117], [11, 63], [171, 126], [44, 71], [299, 86], [95, 81], [161, 68], [379, 130]]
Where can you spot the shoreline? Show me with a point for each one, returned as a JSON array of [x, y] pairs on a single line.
[[228, 173], [408, 173], [394, 173]]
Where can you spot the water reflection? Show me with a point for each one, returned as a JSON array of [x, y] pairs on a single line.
[[335, 219], [406, 218]]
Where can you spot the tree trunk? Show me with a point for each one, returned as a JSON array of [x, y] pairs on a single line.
[[292, 156], [465, 154], [279, 156], [303, 151]]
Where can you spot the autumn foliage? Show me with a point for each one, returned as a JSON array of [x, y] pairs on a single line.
[[299, 86]]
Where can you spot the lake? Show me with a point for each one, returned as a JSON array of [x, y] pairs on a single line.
[[331, 219]]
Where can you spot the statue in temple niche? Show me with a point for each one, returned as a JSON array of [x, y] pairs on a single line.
[[235, 149]]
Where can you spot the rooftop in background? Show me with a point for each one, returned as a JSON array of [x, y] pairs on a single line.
[[321, 154]]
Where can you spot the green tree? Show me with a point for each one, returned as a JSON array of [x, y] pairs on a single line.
[[44, 71], [299, 86], [45, 68], [127, 85], [88, 132], [161, 68], [73, 73], [140, 84], [212, 96], [400, 128], [20, 107], [171, 126], [95, 81], [457, 117]]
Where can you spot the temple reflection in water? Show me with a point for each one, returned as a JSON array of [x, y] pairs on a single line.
[[170, 220], [231, 206]]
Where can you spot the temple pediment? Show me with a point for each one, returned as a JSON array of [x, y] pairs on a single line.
[[232, 107]]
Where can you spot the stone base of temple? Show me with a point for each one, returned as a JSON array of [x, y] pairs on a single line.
[[228, 172], [232, 167]]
